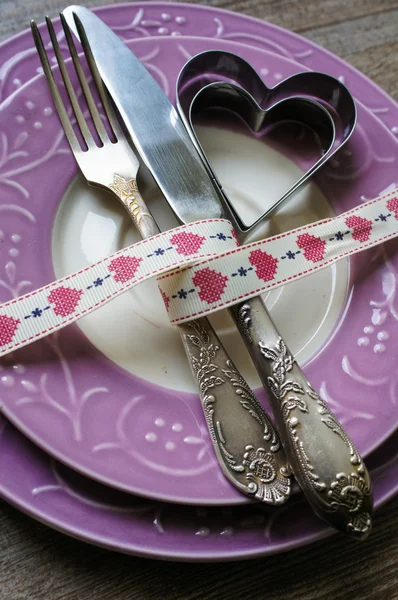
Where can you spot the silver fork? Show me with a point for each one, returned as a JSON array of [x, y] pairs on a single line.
[[245, 441]]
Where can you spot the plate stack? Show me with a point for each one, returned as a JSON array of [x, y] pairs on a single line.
[[103, 436]]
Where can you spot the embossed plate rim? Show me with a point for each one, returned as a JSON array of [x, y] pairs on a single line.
[[159, 546]]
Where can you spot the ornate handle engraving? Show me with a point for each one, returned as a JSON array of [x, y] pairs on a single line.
[[325, 462], [245, 442], [244, 439], [129, 195]]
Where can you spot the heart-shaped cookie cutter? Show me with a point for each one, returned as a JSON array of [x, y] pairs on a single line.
[[218, 79]]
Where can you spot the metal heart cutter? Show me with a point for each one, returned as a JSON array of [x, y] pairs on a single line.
[[221, 80]]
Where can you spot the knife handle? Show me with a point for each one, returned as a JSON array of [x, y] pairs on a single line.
[[245, 441], [324, 460]]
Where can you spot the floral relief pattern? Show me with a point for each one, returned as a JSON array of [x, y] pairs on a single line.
[[348, 493], [40, 392], [263, 477]]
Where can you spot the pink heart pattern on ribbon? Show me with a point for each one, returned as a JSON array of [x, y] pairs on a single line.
[[124, 268], [65, 300], [187, 243], [8, 328], [202, 271], [264, 264], [211, 284], [313, 247], [361, 228], [392, 205], [166, 299]]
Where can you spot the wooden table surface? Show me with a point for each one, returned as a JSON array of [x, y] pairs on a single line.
[[38, 563]]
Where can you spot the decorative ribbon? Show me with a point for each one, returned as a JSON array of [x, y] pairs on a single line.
[[200, 269]]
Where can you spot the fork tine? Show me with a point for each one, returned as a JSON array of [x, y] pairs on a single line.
[[81, 121], [59, 105], [110, 113], [99, 126]]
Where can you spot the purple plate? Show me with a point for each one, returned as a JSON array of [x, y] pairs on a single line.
[[86, 510], [130, 432], [60, 498]]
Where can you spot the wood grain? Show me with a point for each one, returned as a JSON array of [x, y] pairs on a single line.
[[37, 563]]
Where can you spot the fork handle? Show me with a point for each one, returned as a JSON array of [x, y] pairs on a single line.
[[324, 460], [246, 443]]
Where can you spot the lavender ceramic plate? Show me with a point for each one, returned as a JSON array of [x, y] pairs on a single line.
[[122, 408], [44, 489], [70, 503]]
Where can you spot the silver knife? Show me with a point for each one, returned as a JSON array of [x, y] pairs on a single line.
[[325, 461]]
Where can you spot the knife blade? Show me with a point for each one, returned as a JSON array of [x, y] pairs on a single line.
[[157, 131], [323, 457]]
